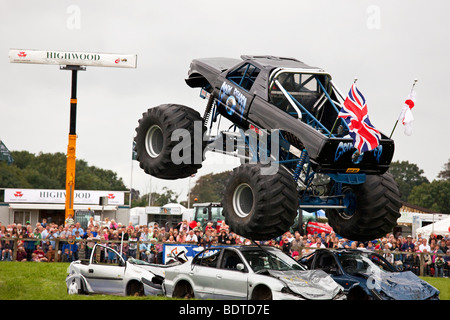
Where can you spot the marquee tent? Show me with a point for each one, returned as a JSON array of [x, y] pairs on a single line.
[[440, 227]]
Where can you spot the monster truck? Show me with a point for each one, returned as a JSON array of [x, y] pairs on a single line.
[[295, 152]]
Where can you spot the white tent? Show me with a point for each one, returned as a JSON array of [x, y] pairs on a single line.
[[440, 227]]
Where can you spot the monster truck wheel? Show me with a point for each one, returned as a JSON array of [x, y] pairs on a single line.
[[154, 146], [372, 209], [257, 206]]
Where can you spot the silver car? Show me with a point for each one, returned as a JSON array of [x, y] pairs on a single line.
[[248, 273], [107, 272]]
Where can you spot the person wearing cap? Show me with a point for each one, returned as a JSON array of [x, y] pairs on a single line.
[[408, 244]]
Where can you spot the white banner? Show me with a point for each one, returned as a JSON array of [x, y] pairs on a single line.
[[73, 58], [59, 196]]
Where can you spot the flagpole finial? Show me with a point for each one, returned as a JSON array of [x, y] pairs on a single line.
[[355, 79]]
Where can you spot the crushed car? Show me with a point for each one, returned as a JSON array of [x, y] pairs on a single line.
[[250, 272], [366, 275], [106, 272]]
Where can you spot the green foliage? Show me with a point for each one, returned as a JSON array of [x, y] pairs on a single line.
[[157, 199], [407, 175], [209, 188], [48, 171], [445, 173], [434, 196]]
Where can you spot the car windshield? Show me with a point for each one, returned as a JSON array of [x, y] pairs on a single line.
[[260, 259], [366, 263]]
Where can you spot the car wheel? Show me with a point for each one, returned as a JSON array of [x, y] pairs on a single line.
[[372, 208], [262, 293], [74, 287], [183, 290], [258, 206], [155, 149], [135, 289]]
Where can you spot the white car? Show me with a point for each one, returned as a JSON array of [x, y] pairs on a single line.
[[249, 273], [107, 272]]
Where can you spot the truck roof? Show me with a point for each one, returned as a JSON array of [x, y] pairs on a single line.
[[267, 61]]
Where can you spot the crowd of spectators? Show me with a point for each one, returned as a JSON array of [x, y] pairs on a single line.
[[39, 243]]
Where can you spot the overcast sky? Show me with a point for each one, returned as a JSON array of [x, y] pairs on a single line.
[[385, 44]]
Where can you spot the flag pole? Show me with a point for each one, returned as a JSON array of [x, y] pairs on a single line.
[[337, 118], [395, 125]]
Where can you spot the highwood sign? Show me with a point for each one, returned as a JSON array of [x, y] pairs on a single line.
[[59, 196], [73, 58]]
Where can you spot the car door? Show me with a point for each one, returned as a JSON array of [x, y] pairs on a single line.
[[203, 273], [231, 278], [106, 275], [327, 262]]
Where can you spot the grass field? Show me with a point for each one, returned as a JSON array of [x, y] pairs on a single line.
[[46, 281]]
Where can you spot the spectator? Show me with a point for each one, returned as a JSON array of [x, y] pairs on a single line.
[[21, 254], [69, 221], [286, 246], [318, 243], [72, 247], [191, 237], [408, 244], [387, 253], [144, 251], [50, 255], [439, 264], [79, 229], [39, 255], [424, 246], [181, 237], [427, 262], [132, 245], [6, 248], [222, 238], [113, 225], [297, 243]]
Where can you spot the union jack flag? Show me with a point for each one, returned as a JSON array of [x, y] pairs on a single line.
[[354, 112]]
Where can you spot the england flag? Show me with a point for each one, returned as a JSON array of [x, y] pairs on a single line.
[[406, 116]]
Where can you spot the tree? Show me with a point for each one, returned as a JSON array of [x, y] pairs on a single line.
[[407, 175], [48, 171], [156, 199], [445, 173], [209, 188], [434, 196]]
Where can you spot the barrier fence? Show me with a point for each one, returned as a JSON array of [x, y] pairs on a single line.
[[420, 263]]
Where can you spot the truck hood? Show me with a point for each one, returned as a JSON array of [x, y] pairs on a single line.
[[310, 284], [402, 286]]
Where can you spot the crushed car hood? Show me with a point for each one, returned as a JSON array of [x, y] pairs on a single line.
[[402, 286], [310, 284]]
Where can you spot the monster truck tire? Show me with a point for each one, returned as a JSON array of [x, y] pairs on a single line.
[[154, 146], [374, 209], [258, 206]]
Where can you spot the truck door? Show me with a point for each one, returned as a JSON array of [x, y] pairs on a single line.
[[235, 97]]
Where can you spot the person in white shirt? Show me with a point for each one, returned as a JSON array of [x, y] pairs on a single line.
[[317, 244], [424, 245], [191, 237]]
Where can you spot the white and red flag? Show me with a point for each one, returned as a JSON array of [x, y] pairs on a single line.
[[406, 116]]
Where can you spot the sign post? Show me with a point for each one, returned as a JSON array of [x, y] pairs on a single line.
[[73, 61]]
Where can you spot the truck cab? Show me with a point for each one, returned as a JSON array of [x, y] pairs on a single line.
[[209, 212]]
